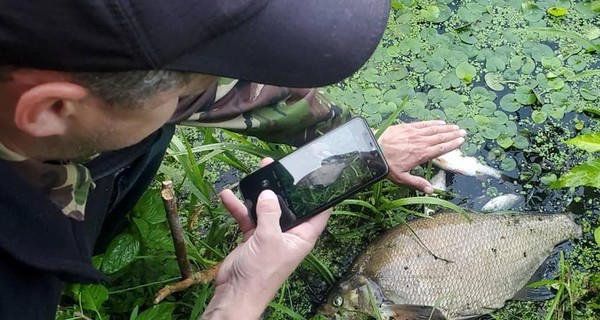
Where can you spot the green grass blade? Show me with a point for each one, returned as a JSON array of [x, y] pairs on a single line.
[[388, 122], [426, 200], [316, 265]]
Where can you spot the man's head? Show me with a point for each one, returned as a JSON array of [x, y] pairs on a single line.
[[60, 115], [94, 100]]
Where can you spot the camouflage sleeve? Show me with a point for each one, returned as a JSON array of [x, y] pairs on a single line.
[[276, 114]]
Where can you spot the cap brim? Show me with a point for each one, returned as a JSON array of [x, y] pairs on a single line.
[[307, 43]]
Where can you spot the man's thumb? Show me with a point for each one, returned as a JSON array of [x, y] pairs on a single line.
[[268, 213]]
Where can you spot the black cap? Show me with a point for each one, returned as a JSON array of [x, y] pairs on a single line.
[[299, 43]]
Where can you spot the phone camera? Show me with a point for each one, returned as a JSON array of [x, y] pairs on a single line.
[[265, 183]]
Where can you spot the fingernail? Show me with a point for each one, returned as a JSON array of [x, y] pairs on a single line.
[[267, 194], [428, 190], [463, 132], [455, 127]]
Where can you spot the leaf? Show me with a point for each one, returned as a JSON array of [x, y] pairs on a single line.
[[557, 11], [493, 80], [524, 95], [509, 104], [597, 236], [120, 253], [465, 71], [150, 207], [548, 179], [93, 296], [508, 164], [163, 311], [539, 116], [532, 12], [587, 142], [587, 174]]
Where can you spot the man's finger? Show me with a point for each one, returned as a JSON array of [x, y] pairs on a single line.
[[237, 209], [435, 130], [268, 213], [415, 182], [428, 123], [444, 137], [265, 161], [443, 148]]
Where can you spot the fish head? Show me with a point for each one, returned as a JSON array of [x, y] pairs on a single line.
[[357, 297]]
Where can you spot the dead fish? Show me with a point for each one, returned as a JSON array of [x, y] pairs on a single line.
[[456, 161], [502, 203], [454, 269]]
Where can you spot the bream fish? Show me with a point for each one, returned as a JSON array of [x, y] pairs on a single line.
[[447, 267]]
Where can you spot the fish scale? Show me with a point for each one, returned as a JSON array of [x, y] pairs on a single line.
[[479, 265]]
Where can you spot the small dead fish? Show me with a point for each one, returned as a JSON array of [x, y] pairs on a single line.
[[449, 268], [502, 203], [456, 161]]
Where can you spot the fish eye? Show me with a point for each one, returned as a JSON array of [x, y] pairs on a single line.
[[338, 301]]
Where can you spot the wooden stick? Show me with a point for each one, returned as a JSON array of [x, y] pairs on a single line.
[[170, 203], [204, 276]]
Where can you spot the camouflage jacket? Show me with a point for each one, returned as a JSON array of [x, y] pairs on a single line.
[[286, 115]]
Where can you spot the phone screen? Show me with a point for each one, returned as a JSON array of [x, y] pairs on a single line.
[[323, 172]]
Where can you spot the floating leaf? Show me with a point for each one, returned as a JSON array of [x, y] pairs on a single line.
[[588, 92], [490, 133], [505, 141], [539, 116], [558, 11], [532, 12], [430, 13], [433, 78], [508, 164], [508, 103], [587, 142], [521, 142], [548, 179], [524, 95], [465, 71]]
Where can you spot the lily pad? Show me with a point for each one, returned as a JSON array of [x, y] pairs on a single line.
[[524, 95], [508, 103], [505, 141], [433, 78], [521, 142], [532, 12], [539, 116], [466, 72], [508, 164], [494, 81]]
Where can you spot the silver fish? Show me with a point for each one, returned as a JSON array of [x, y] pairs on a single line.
[[502, 203], [456, 161], [454, 269]]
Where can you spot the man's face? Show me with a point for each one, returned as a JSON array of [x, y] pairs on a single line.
[[104, 128]]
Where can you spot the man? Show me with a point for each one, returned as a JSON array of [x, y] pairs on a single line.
[[91, 90]]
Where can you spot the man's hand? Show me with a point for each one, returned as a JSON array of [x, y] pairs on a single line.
[[406, 146], [252, 273]]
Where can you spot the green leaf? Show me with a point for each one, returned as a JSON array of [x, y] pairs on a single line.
[[430, 13], [532, 12], [508, 103], [539, 116], [587, 174], [524, 95], [557, 11], [548, 179], [587, 142], [93, 296], [505, 141], [163, 311], [120, 253], [150, 207], [494, 81], [597, 236], [508, 164], [465, 71]]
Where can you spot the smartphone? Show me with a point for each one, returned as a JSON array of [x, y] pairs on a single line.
[[320, 174]]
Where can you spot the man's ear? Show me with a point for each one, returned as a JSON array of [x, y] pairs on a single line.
[[44, 109]]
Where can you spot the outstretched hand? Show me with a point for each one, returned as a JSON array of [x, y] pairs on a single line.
[[250, 275], [407, 145]]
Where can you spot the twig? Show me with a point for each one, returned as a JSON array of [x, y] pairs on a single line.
[[188, 277], [168, 197], [203, 276]]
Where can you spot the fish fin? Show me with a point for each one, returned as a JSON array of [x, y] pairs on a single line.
[[547, 270], [411, 312]]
